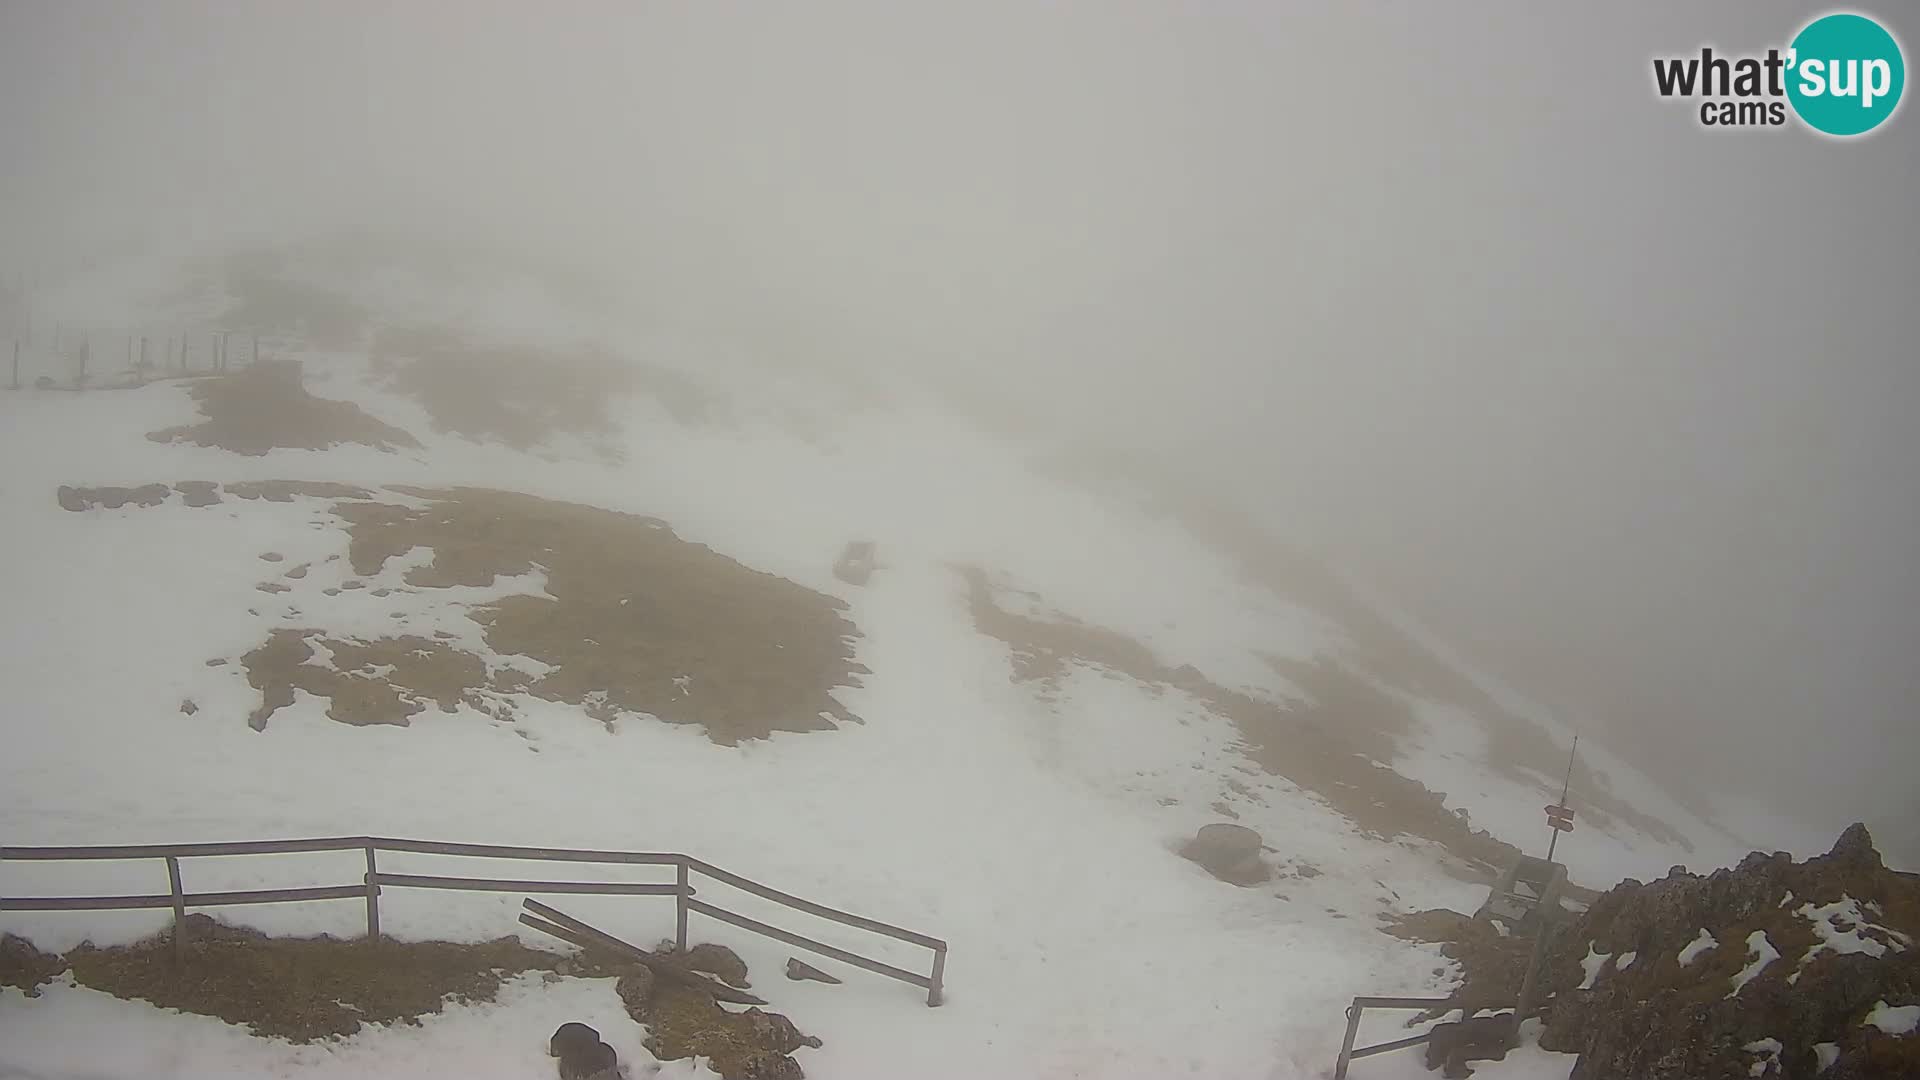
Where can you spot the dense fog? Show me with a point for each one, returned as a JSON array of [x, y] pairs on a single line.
[[1622, 406]]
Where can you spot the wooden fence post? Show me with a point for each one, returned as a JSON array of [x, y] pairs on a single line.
[[936, 992], [179, 911], [680, 908], [373, 900]]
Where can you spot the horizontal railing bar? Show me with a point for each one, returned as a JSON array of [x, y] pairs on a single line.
[[83, 903], [812, 908], [211, 899], [352, 843], [182, 851], [1381, 1048], [609, 888], [1400, 1002], [337, 843], [276, 896], [497, 851], [823, 949]]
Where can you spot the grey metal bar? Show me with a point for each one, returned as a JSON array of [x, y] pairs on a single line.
[[156, 851], [822, 948], [937, 992], [165, 900], [559, 931], [1400, 1002], [607, 888], [1346, 1044], [373, 898], [812, 908], [680, 907], [84, 903], [1398, 1044], [276, 896], [179, 911], [495, 851]]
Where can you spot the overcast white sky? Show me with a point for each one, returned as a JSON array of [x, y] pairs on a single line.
[[1624, 405]]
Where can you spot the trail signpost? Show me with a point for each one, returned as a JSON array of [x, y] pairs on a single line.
[[1559, 818]]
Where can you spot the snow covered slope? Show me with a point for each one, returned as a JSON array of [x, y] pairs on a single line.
[[1061, 686]]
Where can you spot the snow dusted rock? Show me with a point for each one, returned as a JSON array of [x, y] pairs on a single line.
[[798, 970], [24, 967], [1805, 953], [572, 1039], [719, 961], [1228, 852]]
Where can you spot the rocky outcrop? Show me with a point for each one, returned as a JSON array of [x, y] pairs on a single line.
[[1771, 969], [24, 967], [684, 1020]]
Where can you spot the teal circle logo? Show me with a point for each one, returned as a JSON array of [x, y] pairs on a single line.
[[1845, 74]]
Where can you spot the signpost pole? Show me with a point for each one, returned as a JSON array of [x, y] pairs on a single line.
[[1554, 841]]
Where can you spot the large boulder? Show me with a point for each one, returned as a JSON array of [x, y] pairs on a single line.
[[1229, 852]]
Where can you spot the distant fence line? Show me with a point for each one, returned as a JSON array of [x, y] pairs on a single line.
[[374, 879], [77, 357]]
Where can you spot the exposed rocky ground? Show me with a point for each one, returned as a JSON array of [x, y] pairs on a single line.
[[1771, 969], [632, 620]]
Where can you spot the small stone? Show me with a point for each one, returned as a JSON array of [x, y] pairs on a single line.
[[271, 556], [798, 970], [187, 706]]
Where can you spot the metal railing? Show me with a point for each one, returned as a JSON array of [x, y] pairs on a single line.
[[1360, 1005], [375, 879]]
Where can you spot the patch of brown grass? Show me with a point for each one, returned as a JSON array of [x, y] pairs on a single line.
[[357, 692], [265, 407], [636, 618], [518, 395], [303, 989]]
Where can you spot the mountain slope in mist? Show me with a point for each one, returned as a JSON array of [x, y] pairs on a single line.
[[588, 599]]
